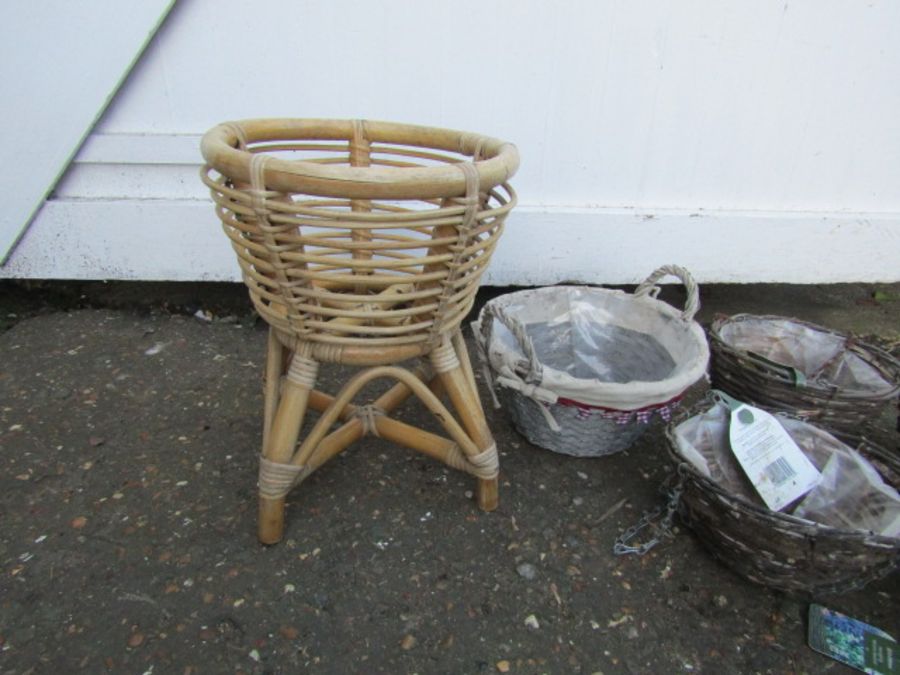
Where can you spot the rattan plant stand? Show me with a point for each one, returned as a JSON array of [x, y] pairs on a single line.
[[362, 243]]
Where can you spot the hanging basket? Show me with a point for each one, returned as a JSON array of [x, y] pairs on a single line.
[[785, 364], [583, 370], [775, 549]]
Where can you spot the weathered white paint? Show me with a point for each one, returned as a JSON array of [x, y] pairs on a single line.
[[774, 120], [60, 64], [83, 239]]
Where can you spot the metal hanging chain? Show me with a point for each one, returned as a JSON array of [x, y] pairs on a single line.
[[659, 520]]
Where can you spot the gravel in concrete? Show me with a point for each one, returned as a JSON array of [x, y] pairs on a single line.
[[128, 444]]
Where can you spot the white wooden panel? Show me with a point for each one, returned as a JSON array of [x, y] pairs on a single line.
[[60, 63], [716, 104], [145, 148], [135, 166], [132, 181], [121, 239], [181, 240], [776, 121]]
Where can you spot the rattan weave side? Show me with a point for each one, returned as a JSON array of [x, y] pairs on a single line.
[[369, 271]]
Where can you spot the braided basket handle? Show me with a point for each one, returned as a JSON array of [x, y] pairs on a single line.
[[692, 303], [491, 311]]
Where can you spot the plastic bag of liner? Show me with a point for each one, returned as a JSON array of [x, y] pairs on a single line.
[[850, 494]]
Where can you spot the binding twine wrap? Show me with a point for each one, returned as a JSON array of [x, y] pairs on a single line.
[[527, 385], [276, 479], [486, 464], [471, 201], [258, 197], [367, 414]]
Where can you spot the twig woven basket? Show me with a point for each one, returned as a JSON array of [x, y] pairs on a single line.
[[566, 411], [779, 550], [816, 373]]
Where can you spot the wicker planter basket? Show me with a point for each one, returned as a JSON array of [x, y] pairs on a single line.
[[575, 409], [777, 549], [362, 244], [785, 364]]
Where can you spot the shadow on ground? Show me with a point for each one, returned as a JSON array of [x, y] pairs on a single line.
[[128, 436]]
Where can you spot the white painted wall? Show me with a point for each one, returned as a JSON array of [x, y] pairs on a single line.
[[750, 140], [57, 83]]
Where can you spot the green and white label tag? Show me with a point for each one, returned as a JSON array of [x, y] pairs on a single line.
[[854, 642], [773, 462]]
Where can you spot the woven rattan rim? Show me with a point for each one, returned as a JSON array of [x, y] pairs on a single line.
[[496, 161]]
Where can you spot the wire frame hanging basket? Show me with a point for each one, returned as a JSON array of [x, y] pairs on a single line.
[[780, 363], [777, 549]]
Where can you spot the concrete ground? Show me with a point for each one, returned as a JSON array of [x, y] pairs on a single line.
[[128, 438]]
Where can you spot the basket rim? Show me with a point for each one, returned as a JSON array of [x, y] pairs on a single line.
[[219, 148], [810, 528], [663, 395], [651, 407], [887, 366]]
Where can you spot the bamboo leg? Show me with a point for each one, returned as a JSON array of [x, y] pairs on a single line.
[[274, 370], [400, 392], [436, 386], [282, 439], [462, 352], [338, 440], [335, 443], [357, 382], [321, 402], [488, 494], [420, 440], [468, 407]]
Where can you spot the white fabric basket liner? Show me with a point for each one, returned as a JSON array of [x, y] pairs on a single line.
[[673, 329]]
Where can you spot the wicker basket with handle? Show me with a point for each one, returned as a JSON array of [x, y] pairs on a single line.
[[587, 416]]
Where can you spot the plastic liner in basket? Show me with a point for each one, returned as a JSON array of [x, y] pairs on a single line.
[[839, 536], [814, 372], [583, 370]]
